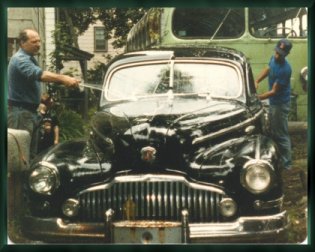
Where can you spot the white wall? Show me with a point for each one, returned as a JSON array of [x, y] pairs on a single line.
[[50, 26], [86, 43]]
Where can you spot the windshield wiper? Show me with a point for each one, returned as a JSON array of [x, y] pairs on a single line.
[[170, 92]]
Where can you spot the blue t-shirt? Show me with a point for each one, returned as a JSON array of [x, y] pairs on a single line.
[[24, 78], [280, 74]]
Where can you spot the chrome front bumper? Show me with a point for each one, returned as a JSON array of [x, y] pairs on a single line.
[[271, 228]]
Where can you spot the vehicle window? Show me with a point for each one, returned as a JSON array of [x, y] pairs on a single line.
[[213, 79], [251, 81], [217, 80], [207, 23], [278, 22]]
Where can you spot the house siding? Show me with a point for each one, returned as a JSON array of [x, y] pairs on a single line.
[[50, 27], [86, 43], [22, 18]]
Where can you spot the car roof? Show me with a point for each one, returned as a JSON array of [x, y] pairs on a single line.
[[183, 52]]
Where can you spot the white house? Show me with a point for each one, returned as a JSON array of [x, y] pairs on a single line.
[[92, 41]]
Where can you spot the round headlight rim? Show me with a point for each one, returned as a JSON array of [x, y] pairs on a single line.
[[75, 204], [53, 170], [222, 206], [246, 168]]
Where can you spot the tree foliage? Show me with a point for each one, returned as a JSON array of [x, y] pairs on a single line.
[[73, 22], [117, 22]]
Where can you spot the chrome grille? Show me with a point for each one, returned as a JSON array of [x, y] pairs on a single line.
[[153, 197]]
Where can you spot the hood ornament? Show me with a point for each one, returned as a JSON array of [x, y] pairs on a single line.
[[148, 154]]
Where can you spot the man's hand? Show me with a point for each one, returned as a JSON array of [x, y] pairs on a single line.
[[70, 81]]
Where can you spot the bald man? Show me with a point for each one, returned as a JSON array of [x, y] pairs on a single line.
[[24, 78]]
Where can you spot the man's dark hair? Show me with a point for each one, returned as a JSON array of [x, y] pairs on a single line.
[[23, 37]]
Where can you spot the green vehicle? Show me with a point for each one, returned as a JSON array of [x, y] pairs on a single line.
[[253, 31]]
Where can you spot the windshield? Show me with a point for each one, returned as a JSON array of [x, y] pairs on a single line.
[[211, 79]]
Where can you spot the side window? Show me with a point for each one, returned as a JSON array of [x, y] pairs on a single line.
[[278, 22], [251, 82], [100, 41], [216, 23]]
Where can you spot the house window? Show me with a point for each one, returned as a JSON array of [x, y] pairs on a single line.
[[100, 41]]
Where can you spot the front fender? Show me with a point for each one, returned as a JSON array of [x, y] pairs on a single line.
[[226, 154]]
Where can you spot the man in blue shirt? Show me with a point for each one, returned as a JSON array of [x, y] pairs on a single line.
[[24, 77], [279, 75]]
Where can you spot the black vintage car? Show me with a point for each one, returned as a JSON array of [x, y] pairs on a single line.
[[178, 152]]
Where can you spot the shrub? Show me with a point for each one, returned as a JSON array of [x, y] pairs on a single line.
[[71, 125]]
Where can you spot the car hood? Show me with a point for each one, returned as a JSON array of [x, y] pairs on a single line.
[[173, 130], [186, 136], [168, 117]]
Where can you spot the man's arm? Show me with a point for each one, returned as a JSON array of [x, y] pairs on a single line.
[[275, 88], [65, 79], [264, 73]]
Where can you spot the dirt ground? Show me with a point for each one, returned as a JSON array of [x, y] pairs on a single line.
[[295, 190]]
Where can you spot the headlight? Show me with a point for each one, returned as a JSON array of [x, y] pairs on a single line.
[[228, 207], [70, 207], [257, 176], [44, 179]]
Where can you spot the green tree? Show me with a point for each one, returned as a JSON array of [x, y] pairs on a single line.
[[118, 22]]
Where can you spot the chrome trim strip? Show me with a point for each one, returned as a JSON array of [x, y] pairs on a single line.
[[244, 225], [147, 200], [260, 204], [165, 197], [171, 201], [185, 226], [226, 130], [159, 199], [150, 178]]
